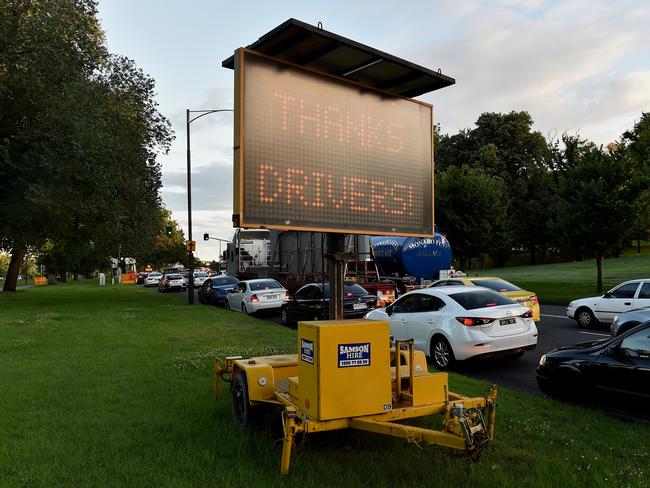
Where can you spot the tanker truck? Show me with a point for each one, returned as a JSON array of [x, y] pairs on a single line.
[[420, 259]]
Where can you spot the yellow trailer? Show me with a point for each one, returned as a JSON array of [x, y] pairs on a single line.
[[347, 374]]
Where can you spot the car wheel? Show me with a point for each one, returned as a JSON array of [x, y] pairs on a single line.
[[569, 386], [227, 305], [585, 318], [625, 327], [516, 355], [441, 353]]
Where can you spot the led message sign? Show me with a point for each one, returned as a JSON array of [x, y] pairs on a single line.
[[320, 153]]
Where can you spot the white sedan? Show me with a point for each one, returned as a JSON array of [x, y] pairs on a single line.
[[200, 277], [629, 295], [251, 296], [454, 323], [153, 279]]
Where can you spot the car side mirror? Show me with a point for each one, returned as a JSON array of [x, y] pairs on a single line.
[[389, 310], [619, 352], [607, 295]]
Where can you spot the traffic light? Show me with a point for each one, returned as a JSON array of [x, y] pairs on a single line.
[[168, 231], [206, 237]]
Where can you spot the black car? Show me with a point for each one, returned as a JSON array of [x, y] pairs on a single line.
[[614, 371], [310, 303], [214, 289]]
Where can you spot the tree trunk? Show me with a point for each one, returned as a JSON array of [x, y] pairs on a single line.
[[533, 255], [599, 273], [13, 271]]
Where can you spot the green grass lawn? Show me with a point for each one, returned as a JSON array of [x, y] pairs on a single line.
[[563, 282], [113, 387]]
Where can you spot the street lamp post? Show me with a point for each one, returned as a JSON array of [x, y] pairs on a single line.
[[190, 254], [207, 237]]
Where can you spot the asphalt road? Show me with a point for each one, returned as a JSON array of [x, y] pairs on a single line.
[[555, 330]]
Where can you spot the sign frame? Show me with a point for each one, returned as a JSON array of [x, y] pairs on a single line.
[[239, 210]]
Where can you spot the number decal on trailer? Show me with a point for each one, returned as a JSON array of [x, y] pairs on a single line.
[[388, 407]]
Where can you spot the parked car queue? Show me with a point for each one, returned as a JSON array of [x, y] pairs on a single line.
[[452, 323]]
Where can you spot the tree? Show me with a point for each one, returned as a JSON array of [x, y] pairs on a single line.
[[45, 46], [166, 249], [470, 210], [79, 134], [636, 144], [597, 195], [505, 146]]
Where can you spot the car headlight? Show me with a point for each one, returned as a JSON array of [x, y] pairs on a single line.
[[542, 360]]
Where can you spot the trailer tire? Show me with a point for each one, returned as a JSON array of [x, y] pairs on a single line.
[[242, 411]]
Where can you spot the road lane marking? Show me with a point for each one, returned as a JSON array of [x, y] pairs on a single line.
[[556, 316], [595, 333]]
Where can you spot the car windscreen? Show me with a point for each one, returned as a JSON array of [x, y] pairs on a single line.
[[227, 280], [496, 285], [174, 277], [154, 274], [264, 285], [351, 290], [480, 299]]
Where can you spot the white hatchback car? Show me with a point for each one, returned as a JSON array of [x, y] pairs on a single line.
[[587, 312], [251, 296], [454, 323]]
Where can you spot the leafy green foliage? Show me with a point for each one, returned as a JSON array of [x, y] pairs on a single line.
[[79, 134], [505, 146], [471, 211], [129, 403]]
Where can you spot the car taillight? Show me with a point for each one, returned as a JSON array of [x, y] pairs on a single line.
[[534, 299], [348, 294], [472, 321], [528, 314], [254, 298]]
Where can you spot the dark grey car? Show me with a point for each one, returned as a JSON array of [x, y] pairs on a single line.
[[626, 320]]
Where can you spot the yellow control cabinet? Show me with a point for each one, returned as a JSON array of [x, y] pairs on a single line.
[[344, 368]]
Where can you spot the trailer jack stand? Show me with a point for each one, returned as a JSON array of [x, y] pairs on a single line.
[[291, 428]]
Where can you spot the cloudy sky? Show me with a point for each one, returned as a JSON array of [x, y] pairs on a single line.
[[576, 66]]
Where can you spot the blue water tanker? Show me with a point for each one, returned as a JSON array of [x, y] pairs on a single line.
[[422, 258]]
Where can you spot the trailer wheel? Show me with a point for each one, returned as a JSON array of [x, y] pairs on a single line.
[[241, 407]]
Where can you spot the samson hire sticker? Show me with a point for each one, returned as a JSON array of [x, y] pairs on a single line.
[[307, 350], [352, 355]]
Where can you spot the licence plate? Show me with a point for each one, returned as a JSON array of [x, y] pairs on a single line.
[[271, 297], [359, 306], [507, 321]]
